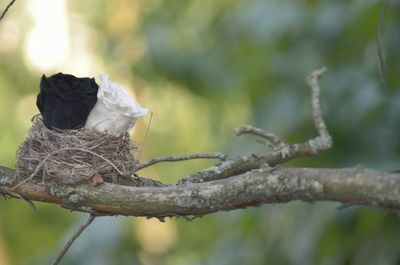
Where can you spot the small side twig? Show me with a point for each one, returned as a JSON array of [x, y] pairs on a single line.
[[230, 168], [278, 145], [160, 159], [378, 37], [6, 9], [13, 194], [248, 129], [72, 240], [323, 141]]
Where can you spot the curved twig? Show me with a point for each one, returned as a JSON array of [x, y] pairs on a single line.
[[38, 167], [248, 129], [160, 159], [324, 141], [6, 9], [72, 240]]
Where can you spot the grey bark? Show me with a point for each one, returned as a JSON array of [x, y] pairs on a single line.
[[234, 183], [349, 186]]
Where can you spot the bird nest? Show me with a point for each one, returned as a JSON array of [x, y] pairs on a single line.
[[74, 156]]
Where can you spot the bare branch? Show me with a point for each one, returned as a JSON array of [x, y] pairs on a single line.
[[231, 167], [234, 183], [156, 160], [282, 151], [72, 240], [324, 140], [358, 186], [313, 146], [6, 9]]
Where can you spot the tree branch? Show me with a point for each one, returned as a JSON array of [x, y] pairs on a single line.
[[358, 186], [234, 183], [282, 151]]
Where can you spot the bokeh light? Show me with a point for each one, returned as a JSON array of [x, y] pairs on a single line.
[[48, 43]]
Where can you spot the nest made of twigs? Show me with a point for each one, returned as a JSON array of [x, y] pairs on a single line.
[[74, 156]]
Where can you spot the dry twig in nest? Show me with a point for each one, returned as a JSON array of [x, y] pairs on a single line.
[[74, 156]]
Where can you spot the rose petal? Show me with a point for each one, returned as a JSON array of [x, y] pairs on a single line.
[[65, 100], [115, 111]]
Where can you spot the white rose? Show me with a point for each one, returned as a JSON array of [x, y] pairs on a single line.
[[114, 112]]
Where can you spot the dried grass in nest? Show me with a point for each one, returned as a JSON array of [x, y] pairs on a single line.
[[74, 156]]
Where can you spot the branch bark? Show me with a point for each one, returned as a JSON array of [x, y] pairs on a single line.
[[358, 186], [234, 183]]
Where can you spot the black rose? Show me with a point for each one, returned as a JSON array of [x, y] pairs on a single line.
[[65, 101]]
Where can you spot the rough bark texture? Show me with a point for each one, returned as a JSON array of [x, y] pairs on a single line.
[[358, 186], [233, 183]]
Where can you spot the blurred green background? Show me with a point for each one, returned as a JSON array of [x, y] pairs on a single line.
[[204, 67]]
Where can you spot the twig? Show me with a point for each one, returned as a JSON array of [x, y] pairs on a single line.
[[6, 9], [60, 150], [378, 38], [248, 129], [324, 140], [10, 193], [72, 240], [225, 169], [278, 145], [181, 158], [145, 136]]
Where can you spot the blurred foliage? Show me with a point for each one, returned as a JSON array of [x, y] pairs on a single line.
[[204, 67]]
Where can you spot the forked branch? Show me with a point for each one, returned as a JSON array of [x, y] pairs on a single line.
[[282, 151], [233, 183]]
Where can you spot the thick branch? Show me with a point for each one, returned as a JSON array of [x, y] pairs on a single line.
[[357, 186], [234, 183]]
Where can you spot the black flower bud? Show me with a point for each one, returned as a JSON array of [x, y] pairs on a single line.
[[65, 101]]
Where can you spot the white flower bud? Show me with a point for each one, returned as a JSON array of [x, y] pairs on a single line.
[[114, 112]]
